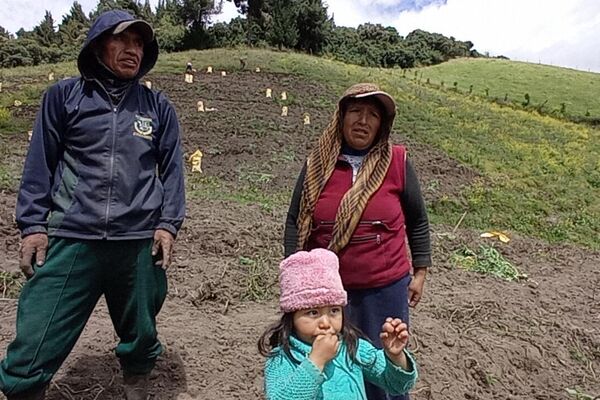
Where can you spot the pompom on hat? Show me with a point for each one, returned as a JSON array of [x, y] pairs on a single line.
[[310, 279]]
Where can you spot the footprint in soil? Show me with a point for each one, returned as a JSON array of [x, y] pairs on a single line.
[[99, 378]]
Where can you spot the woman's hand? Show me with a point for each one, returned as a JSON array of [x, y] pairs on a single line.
[[415, 289], [394, 338]]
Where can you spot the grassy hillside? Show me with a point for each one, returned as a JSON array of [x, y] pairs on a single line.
[[540, 175], [512, 80]]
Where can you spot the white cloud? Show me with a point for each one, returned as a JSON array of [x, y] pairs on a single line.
[[558, 32], [17, 14]]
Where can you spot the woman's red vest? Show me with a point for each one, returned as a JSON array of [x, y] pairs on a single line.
[[377, 252]]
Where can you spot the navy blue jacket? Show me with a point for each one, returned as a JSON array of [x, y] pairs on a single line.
[[95, 170]]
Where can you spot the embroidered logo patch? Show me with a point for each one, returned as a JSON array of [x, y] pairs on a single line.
[[142, 127]]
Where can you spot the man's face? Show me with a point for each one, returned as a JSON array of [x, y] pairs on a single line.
[[123, 53]]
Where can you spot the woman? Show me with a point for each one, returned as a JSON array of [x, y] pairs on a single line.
[[358, 195]]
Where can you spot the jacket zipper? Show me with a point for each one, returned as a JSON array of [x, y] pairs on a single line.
[[363, 239], [366, 222], [111, 170], [115, 109]]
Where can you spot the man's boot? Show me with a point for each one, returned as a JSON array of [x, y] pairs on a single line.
[[35, 394], [136, 386]]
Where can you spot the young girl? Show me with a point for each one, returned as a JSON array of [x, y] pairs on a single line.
[[314, 353]]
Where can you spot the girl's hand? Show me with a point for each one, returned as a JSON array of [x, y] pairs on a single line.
[[324, 349], [394, 337]]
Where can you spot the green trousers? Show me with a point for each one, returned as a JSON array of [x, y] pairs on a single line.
[[57, 301]]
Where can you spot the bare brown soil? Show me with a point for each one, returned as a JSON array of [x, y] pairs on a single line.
[[475, 337]]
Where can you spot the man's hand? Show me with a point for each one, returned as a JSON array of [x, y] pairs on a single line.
[[32, 245], [324, 349], [415, 289], [394, 338], [163, 247]]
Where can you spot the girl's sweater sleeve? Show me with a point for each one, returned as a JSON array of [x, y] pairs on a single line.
[[379, 370], [285, 380]]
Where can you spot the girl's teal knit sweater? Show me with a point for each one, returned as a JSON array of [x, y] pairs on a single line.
[[340, 380]]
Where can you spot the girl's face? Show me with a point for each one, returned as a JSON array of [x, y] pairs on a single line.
[[311, 322]]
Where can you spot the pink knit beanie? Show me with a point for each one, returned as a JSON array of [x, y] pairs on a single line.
[[310, 279]]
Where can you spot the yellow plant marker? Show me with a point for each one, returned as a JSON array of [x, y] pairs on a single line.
[[189, 78], [29, 135], [257, 69], [306, 119], [196, 161], [284, 111], [502, 236], [269, 92], [51, 76], [283, 96], [148, 84], [18, 103], [200, 106], [209, 70]]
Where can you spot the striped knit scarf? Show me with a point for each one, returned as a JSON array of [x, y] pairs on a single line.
[[320, 165]]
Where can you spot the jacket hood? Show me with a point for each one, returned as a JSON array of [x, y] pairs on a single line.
[[106, 22]]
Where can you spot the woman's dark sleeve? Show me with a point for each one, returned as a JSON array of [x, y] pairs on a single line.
[[417, 223], [290, 235]]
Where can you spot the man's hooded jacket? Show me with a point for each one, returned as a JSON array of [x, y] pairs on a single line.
[[98, 170]]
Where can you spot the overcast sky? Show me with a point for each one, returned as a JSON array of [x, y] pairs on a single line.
[[556, 32]]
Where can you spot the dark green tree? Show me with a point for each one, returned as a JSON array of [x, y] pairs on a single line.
[[170, 33], [146, 13], [283, 31], [44, 33], [4, 35], [314, 27], [72, 31]]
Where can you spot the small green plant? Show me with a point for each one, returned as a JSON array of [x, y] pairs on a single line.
[[4, 115], [579, 395], [487, 261], [10, 284], [578, 355], [259, 281]]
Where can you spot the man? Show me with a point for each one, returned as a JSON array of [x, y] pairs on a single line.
[[100, 203]]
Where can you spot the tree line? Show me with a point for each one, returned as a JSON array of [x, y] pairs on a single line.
[[286, 24]]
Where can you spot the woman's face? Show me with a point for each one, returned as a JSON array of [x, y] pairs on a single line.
[[312, 322], [361, 123]]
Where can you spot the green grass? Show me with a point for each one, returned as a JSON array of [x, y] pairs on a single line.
[[540, 175], [578, 90], [201, 186]]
